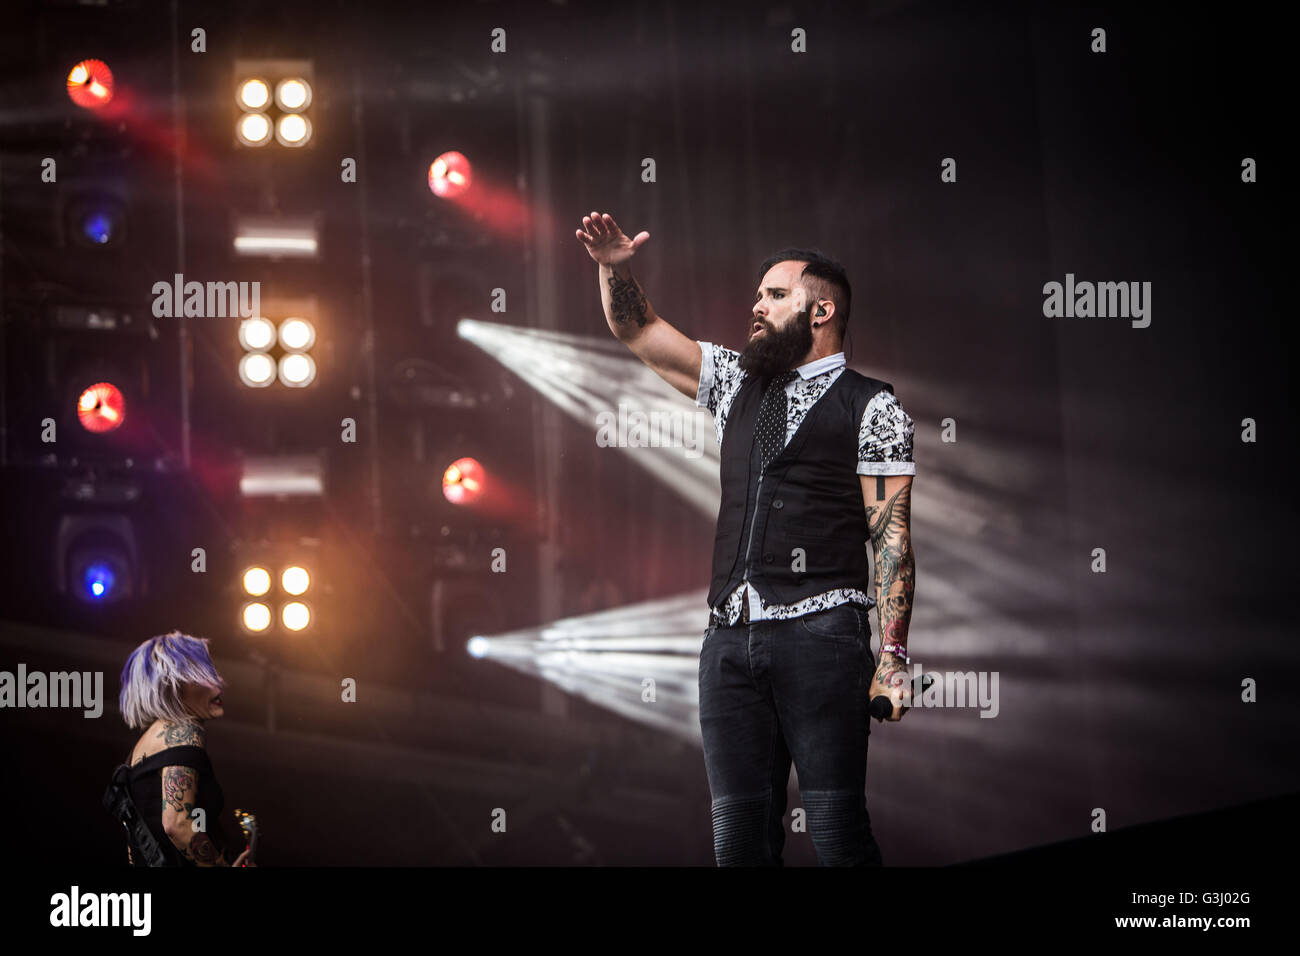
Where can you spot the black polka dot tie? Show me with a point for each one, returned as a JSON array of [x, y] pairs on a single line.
[[770, 427]]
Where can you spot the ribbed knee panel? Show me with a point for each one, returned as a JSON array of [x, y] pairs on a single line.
[[740, 830], [840, 828]]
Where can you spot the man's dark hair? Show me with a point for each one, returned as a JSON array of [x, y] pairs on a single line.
[[824, 277]]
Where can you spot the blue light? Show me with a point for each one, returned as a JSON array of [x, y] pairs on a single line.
[[98, 579], [98, 227]]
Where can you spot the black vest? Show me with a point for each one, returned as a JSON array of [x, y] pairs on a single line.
[[809, 498]]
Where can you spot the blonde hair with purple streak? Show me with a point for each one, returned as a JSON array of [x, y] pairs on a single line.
[[155, 674]]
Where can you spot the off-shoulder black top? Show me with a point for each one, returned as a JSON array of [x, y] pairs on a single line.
[[145, 780]]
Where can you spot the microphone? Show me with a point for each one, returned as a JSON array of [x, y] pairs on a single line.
[[881, 707]]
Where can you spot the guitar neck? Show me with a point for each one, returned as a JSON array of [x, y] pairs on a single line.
[[248, 824]]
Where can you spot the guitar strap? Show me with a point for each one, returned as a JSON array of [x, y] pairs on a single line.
[[117, 801]]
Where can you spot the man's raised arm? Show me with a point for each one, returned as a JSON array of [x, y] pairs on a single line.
[[634, 322]]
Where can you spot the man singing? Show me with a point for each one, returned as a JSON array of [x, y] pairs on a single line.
[[816, 458]]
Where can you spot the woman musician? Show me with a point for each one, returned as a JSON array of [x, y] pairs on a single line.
[[170, 689]]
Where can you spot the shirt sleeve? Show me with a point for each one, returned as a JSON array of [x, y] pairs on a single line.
[[885, 437], [720, 379], [706, 375]]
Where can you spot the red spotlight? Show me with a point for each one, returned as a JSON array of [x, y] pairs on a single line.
[[90, 84], [101, 408], [449, 175], [462, 482]]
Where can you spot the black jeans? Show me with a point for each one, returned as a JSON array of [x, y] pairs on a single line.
[[776, 691]]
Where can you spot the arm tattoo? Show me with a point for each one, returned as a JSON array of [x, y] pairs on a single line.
[[891, 540], [888, 519], [627, 301], [176, 780], [891, 674], [203, 850], [199, 848], [183, 734]]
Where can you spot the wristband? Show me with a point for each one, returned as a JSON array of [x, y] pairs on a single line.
[[898, 650]]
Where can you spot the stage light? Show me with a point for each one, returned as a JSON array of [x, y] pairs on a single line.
[[281, 113], [584, 378], [449, 175], [462, 482], [277, 238], [94, 218], [257, 581], [295, 616], [101, 408], [297, 335], [254, 129], [254, 94], [98, 580], [295, 580], [96, 557], [596, 655], [292, 129], [256, 369], [101, 574], [297, 370], [90, 84], [289, 361], [256, 617], [99, 227], [292, 95], [282, 476], [256, 334]]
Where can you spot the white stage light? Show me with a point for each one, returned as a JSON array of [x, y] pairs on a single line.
[[277, 238], [292, 95], [282, 476], [256, 334], [606, 656], [253, 129], [292, 129], [256, 369], [253, 94], [603, 387], [297, 370], [297, 335]]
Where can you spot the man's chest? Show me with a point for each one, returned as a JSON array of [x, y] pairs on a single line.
[[801, 397]]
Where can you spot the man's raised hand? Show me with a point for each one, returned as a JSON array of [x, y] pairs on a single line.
[[605, 242]]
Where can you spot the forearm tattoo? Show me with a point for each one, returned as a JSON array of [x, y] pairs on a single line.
[[891, 541], [627, 301], [184, 734], [203, 850], [891, 674], [176, 781], [199, 848]]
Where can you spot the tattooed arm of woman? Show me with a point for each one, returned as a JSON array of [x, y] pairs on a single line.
[[180, 789]]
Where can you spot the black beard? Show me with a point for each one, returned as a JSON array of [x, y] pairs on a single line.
[[779, 349]]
